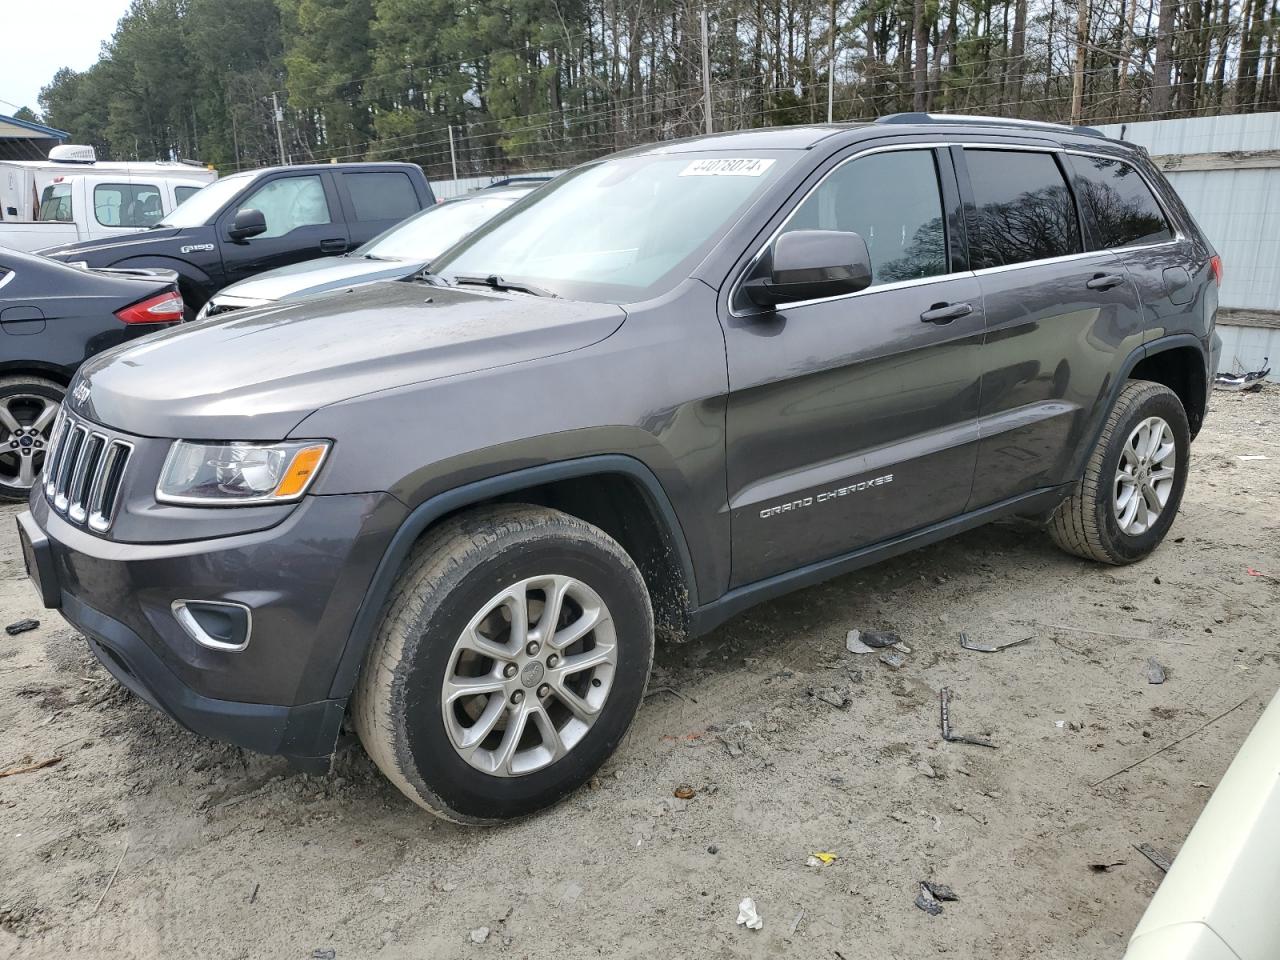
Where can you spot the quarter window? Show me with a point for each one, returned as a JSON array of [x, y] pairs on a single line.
[[181, 193], [893, 201], [1119, 203], [289, 203], [381, 196], [127, 204], [1023, 208]]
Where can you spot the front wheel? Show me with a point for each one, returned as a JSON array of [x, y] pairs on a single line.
[[28, 407], [510, 661], [1133, 481]]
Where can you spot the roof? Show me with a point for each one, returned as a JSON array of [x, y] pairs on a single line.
[[11, 128]]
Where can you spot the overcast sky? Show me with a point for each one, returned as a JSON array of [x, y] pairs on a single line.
[[40, 36]]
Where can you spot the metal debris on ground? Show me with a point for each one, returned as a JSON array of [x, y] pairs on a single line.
[[683, 792], [1236, 382], [838, 697], [1155, 856], [748, 915], [940, 891], [1172, 744], [991, 648], [654, 691], [111, 880], [1155, 671], [820, 858], [1106, 867], [880, 638], [21, 626], [892, 660], [927, 902], [323, 953], [944, 700]]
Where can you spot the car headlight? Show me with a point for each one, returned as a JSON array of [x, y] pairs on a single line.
[[204, 311], [239, 472]]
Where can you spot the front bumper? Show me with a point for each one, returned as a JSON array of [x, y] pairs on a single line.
[[304, 580]]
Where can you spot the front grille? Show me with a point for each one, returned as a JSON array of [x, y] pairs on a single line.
[[83, 472]]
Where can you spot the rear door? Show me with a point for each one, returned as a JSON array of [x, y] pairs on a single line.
[[304, 221], [1058, 315], [375, 200], [853, 419], [1169, 266]]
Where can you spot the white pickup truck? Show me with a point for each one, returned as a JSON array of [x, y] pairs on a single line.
[[72, 196]]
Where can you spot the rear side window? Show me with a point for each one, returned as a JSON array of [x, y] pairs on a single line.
[[181, 193], [1123, 211], [55, 203], [1024, 210], [127, 204], [892, 199], [381, 196]]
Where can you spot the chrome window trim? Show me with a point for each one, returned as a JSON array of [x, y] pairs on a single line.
[[9, 275], [1178, 235]]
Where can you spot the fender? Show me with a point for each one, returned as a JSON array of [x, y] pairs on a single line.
[[1139, 354], [366, 619]]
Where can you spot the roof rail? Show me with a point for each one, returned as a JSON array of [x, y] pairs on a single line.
[[988, 121]]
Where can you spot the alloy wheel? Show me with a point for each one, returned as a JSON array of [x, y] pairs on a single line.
[[26, 420], [529, 675], [1144, 476]]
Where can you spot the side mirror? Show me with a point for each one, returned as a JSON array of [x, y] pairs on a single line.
[[810, 265], [248, 223]]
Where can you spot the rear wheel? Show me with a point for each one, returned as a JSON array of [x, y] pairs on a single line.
[[1133, 481], [28, 407], [509, 663]]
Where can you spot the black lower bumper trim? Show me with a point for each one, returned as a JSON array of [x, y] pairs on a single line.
[[306, 733]]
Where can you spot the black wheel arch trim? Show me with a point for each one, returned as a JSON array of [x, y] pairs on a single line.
[[1149, 349], [431, 510]]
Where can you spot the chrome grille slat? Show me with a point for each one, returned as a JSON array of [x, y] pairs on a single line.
[[86, 470]]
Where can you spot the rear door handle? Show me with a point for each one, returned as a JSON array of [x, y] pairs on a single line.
[[1105, 281], [946, 312], [333, 246]]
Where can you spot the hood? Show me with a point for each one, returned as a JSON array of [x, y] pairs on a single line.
[[107, 250], [318, 276], [255, 374]]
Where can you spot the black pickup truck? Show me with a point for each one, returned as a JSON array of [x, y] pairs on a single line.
[[262, 219]]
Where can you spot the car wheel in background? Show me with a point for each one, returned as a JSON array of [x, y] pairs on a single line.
[[1133, 481], [510, 661], [28, 407]]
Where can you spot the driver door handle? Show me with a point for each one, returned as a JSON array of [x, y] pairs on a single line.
[[1105, 281], [946, 312], [333, 245]]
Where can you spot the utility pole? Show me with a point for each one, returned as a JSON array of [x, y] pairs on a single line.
[[279, 115], [453, 156], [831, 64], [706, 72], [1077, 84]]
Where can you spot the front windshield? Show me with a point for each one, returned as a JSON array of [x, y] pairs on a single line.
[[199, 208], [430, 233], [621, 230]]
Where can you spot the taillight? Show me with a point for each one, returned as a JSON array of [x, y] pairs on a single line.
[[162, 308], [1215, 266]]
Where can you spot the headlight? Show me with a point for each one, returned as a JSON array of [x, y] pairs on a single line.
[[237, 472], [204, 311]]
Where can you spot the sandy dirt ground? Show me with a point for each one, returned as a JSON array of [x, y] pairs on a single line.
[[147, 842]]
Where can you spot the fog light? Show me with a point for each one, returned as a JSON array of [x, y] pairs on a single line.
[[216, 624]]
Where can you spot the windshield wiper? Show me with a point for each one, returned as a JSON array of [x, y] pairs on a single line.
[[495, 282]]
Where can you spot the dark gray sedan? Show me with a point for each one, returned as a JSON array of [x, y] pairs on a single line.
[[393, 255]]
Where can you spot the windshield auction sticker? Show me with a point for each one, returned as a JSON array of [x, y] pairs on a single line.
[[726, 167]]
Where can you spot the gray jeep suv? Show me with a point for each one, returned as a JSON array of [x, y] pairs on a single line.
[[455, 510]]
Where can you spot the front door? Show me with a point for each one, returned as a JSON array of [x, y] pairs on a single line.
[[853, 419], [304, 222]]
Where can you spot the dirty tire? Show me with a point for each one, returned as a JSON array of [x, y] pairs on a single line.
[[12, 387], [1085, 524], [450, 575]]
